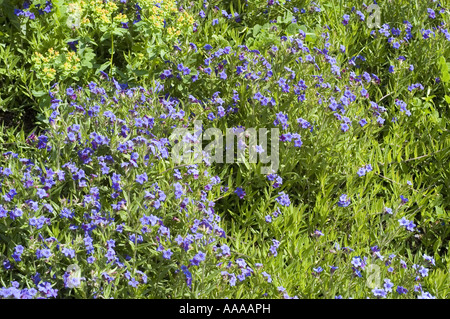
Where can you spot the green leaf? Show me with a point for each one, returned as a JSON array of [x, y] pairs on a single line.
[[288, 18], [292, 29], [141, 72], [445, 76], [256, 29], [38, 93], [150, 52], [88, 58], [162, 54], [103, 66], [440, 212], [447, 99], [120, 31]]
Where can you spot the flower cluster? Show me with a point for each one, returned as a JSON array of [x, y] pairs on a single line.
[[96, 187]]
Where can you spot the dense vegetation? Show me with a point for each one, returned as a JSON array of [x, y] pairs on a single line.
[[94, 206]]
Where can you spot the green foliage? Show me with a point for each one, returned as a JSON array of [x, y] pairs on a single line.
[[304, 59]]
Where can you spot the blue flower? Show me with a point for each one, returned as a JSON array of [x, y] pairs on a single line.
[[70, 91], [283, 199], [346, 19], [167, 254], [423, 271], [318, 270], [110, 255], [403, 221], [223, 75], [401, 290], [188, 275], [344, 201], [268, 277], [344, 127], [380, 120], [361, 172], [18, 251], [410, 226], [68, 252], [240, 192], [379, 292], [388, 285], [404, 199], [198, 258], [225, 250], [361, 15], [43, 253], [142, 178], [133, 282], [274, 247], [426, 295], [41, 193], [429, 259]]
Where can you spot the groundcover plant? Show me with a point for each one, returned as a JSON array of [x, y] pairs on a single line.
[[224, 149]]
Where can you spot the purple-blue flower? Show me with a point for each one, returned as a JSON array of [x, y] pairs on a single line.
[[344, 201]]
